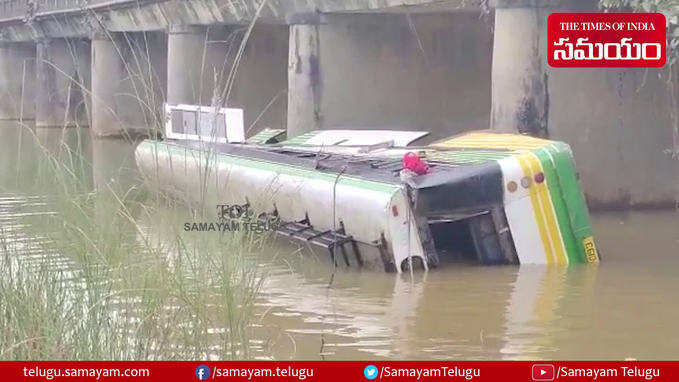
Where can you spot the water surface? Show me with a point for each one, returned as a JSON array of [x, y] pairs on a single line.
[[624, 307]]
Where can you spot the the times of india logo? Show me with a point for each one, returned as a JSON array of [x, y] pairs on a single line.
[[606, 40]]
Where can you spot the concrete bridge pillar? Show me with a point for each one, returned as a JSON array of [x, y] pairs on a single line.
[[107, 70], [17, 81], [206, 66], [304, 78], [185, 51], [63, 81], [389, 71], [520, 96], [128, 83]]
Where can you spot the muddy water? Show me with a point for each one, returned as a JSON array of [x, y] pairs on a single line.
[[626, 307]]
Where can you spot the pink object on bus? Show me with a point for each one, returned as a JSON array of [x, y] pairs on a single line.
[[412, 162]]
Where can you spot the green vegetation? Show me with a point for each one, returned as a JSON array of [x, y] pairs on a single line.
[[120, 289], [107, 285]]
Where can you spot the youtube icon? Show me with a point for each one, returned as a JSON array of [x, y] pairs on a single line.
[[543, 372]]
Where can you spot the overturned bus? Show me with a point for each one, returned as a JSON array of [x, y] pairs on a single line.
[[486, 198]]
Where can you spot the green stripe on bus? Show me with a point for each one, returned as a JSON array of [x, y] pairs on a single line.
[[263, 136], [572, 192], [301, 139], [466, 156], [556, 195]]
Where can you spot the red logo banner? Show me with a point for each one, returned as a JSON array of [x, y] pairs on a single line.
[[606, 40], [305, 371]]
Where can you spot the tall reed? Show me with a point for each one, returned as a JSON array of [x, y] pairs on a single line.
[[123, 289], [126, 290]]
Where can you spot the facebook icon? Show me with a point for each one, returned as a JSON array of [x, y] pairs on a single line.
[[202, 372]]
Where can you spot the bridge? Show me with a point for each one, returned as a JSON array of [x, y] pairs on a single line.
[[174, 34], [440, 65], [146, 15]]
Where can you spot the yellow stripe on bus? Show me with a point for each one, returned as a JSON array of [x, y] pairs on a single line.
[[495, 141], [548, 209], [539, 218], [487, 145]]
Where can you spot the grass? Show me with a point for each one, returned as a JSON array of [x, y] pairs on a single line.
[[120, 289], [126, 291]]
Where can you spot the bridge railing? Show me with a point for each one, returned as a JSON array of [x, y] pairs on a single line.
[[19, 9]]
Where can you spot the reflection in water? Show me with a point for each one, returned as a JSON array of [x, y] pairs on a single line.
[[21, 148], [113, 163], [536, 308], [623, 307], [524, 308]]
